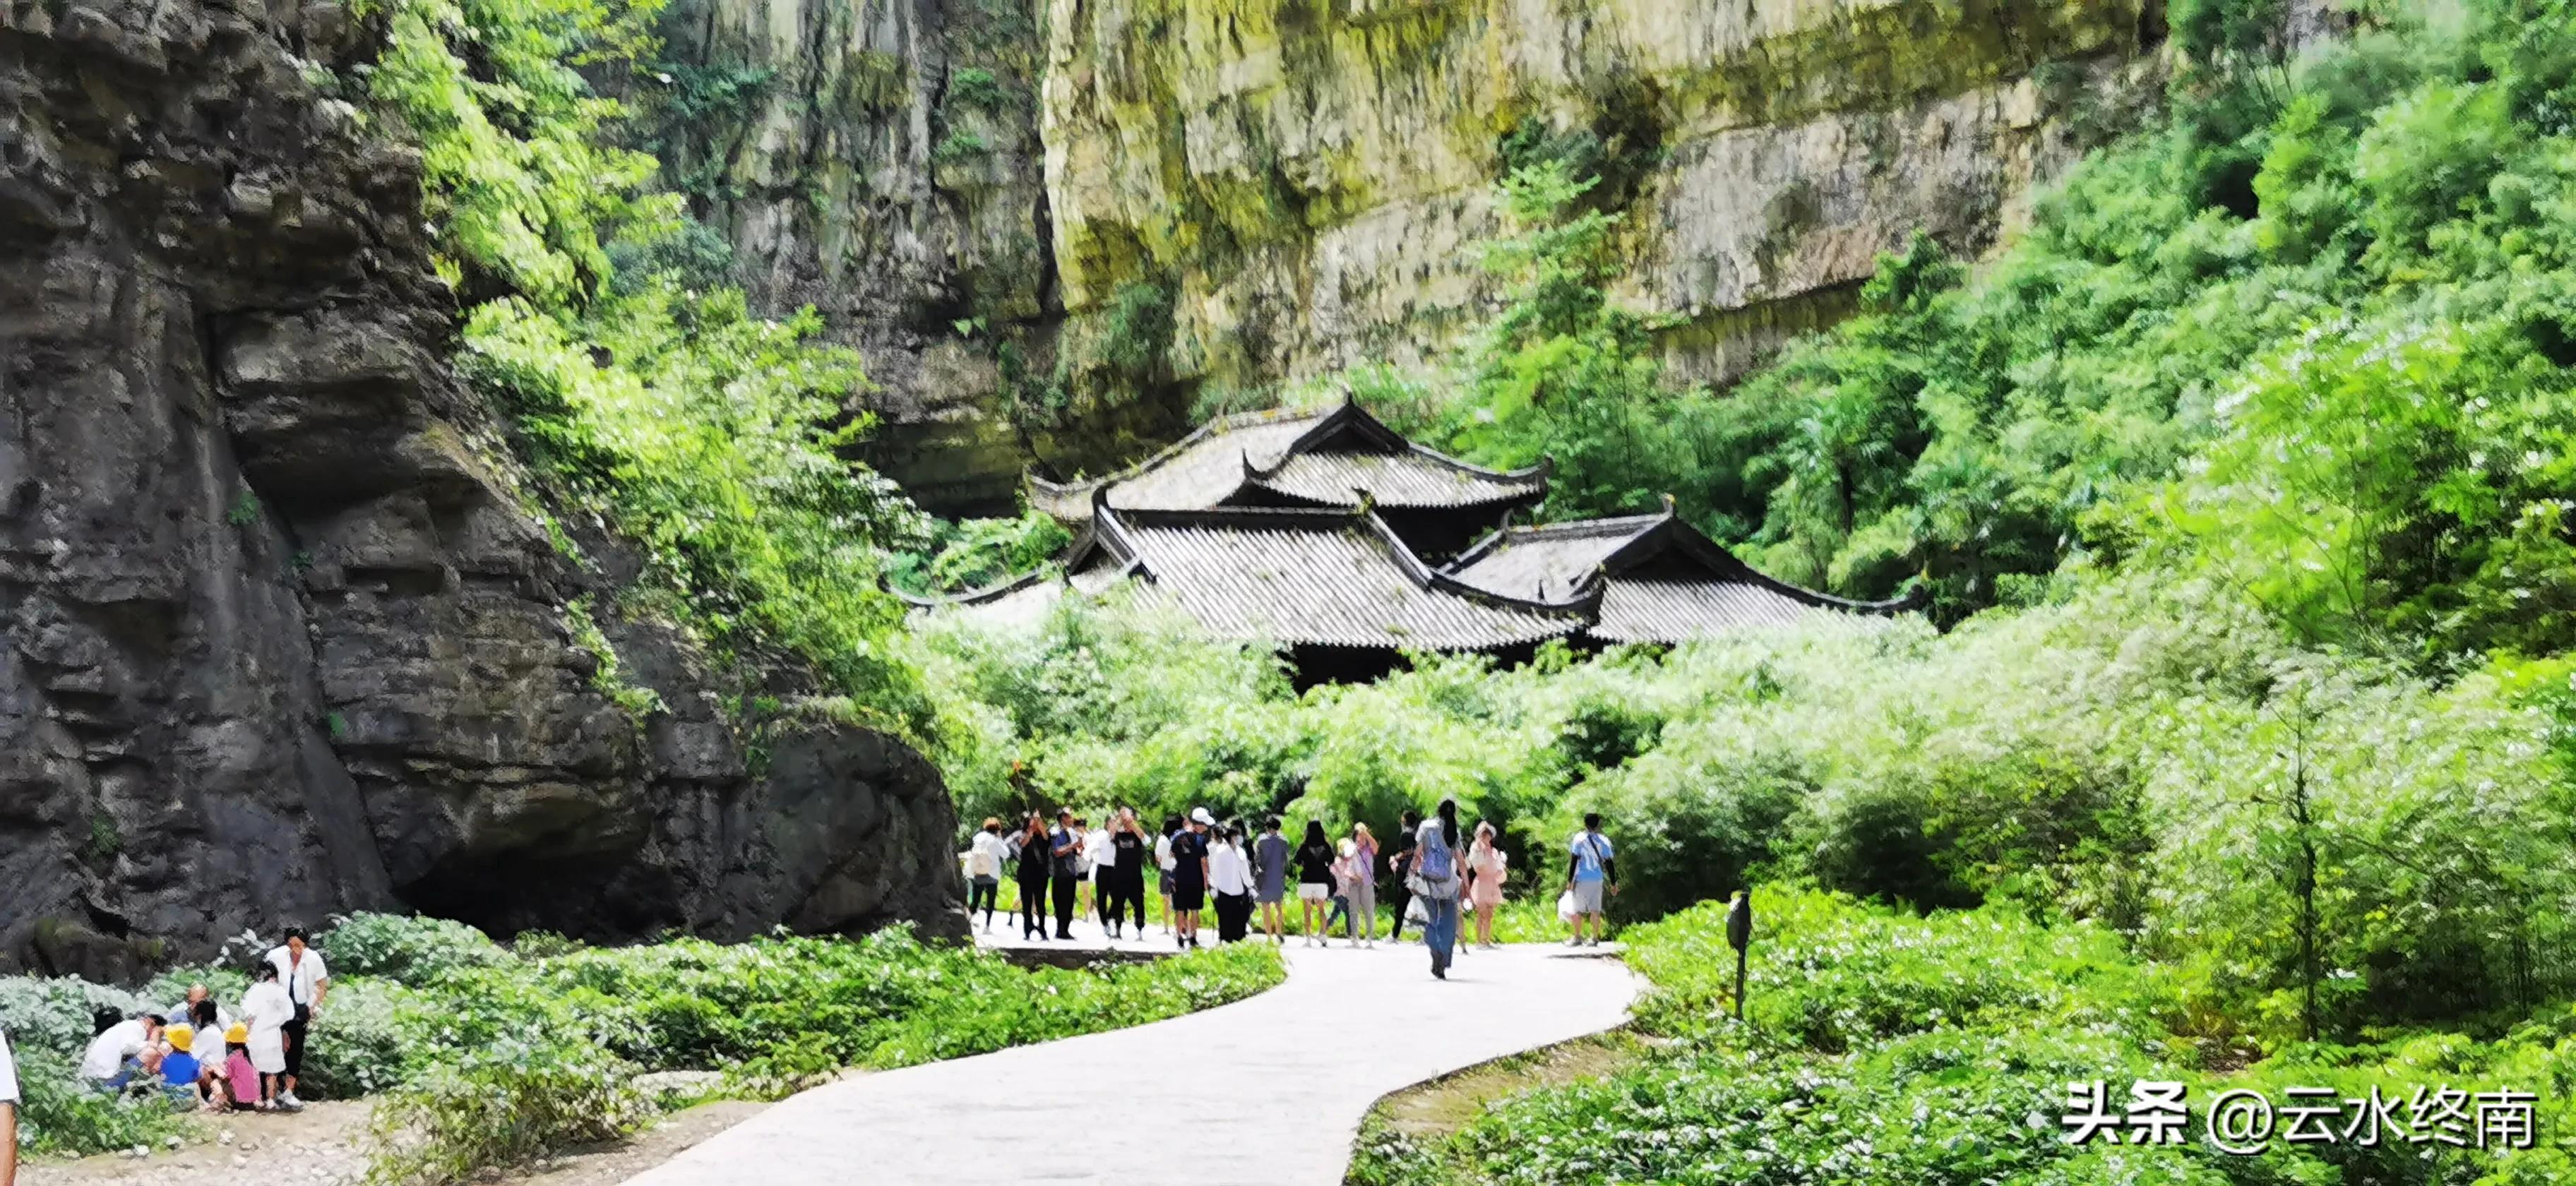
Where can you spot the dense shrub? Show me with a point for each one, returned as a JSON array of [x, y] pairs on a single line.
[[502, 1107], [58, 1114], [1884, 1048], [406, 950]]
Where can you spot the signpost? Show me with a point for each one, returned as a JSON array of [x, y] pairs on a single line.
[[1739, 934]]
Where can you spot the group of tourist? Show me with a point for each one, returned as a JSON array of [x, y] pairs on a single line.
[[203, 1056], [1437, 873]]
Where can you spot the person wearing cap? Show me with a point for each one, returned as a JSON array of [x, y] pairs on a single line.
[[984, 857], [239, 1076], [8, 1114], [180, 1069], [1190, 875]]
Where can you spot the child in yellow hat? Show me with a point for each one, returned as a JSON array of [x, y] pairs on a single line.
[[239, 1074], [180, 1069]]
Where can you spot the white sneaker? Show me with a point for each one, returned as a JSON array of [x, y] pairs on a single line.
[[1577, 941], [290, 1103]]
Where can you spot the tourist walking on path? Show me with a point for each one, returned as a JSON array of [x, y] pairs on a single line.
[[1486, 871], [307, 981], [1127, 851], [1359, 884], [1190, 876], [984, 858], [1436, 881], [1270, 870], [1590, 868], [1314, 882], [1036, 854], [1399, 865], [1065, 845], [1230, 877], [268, 1011]]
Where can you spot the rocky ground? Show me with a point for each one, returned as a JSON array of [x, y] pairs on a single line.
[[325, 1146]]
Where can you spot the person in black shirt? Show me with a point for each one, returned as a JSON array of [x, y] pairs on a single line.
[[1035, 856], [1126, 882], [1314, 861], [1066, 843], [1399, 863], [1190, 877]]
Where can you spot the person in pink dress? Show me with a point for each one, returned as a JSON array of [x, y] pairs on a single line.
[[239, 1074], [1486, 868]]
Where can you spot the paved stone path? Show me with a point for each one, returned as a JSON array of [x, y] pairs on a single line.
[[1264, 1092]]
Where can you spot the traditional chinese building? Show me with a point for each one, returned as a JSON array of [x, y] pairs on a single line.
[[1327, 533]]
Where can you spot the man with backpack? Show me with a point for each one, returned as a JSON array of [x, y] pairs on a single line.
[[1590, 868]]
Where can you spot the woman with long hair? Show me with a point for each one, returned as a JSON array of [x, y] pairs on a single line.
[[1359, 885], [1486, 869], [1436, 881], [1314, 860], [1035, 854]]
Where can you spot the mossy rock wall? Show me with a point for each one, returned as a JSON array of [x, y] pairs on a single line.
[[1312, 177]]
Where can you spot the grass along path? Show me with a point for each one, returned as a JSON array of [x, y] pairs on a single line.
[[1274, 1086]]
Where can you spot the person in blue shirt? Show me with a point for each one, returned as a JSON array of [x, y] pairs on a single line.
[[179, 1068], [1590, 868]]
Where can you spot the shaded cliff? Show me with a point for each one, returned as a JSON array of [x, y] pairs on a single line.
[[286, 632]]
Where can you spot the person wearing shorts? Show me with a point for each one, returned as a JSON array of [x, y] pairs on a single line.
[[1190, 877], [1591, 867], [1314, 859]]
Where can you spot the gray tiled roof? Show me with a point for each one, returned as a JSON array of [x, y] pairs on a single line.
[[1547, 561], [1334, 578], [1323, 456], [1659, 579]]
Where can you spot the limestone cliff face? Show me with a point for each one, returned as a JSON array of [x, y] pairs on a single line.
[[879, 159], [280, 630], [1311, 177], [1304, 183]]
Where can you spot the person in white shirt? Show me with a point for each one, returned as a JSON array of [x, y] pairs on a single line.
[[115, 1053], [1164, 861], [1103, 866], [268, 1011], [307, 981], [984, 857], [8, 1114], [1230, 879]]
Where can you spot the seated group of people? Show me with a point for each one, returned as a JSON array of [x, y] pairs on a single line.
[[203, 1057]]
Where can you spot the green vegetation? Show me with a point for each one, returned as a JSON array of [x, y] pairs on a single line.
[[2363, 238], [972, 553], [639, 391], [1886, 1048], [492, 1056]]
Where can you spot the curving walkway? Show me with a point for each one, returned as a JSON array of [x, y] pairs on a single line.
[[1263, 1092]]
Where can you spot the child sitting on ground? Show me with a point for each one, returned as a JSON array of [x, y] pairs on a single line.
[[239, 1074]]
